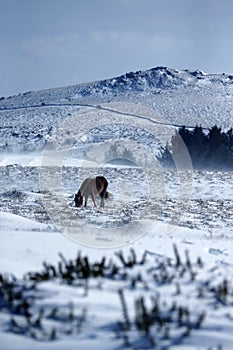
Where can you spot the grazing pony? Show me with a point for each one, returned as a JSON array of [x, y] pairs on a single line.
[[92, 187]]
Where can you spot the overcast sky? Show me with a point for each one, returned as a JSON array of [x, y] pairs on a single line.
[[51, 43]]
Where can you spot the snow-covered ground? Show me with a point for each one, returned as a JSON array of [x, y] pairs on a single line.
[[96, 305], [154, 268], [105, 311]]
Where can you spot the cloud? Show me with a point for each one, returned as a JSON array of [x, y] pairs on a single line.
[[62, 45], [76, 45], [129, 40]]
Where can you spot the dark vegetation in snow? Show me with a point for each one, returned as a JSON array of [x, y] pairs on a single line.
[[211, 150], [151, 322]]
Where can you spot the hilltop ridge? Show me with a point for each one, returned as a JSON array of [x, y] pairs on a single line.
[[149, 81], [181, 97]]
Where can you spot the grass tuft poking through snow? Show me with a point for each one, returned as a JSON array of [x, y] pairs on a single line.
[[150, 303]]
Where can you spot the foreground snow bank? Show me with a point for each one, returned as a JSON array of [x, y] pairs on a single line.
[[110, 303], [19, 223], [133, 300], [22, 238]]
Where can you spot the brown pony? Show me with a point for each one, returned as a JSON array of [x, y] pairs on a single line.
[[92, 187]]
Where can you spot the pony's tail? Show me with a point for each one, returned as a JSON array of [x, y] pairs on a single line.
[[101, 181]]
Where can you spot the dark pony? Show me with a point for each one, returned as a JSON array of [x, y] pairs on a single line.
[[92, 187]]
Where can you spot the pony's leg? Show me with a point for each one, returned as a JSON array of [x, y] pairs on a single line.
[[102, 202], [86, 198], [93, 199], [102, 189]]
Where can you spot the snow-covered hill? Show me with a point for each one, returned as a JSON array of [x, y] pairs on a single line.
[[154, 81], [180, 97]]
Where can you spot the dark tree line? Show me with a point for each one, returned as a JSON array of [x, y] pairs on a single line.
[[211, 149]]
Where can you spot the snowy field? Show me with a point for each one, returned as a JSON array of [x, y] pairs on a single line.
[[171, 288]]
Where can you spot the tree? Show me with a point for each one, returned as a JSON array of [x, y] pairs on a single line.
[[210, 150]]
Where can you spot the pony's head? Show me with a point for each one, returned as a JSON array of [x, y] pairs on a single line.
[[78, 199]]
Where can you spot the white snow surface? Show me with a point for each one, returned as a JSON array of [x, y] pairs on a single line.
[[90, 312], [23, 249], [205, 234]]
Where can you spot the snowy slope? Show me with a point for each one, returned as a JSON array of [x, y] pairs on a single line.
[[180, 97]]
